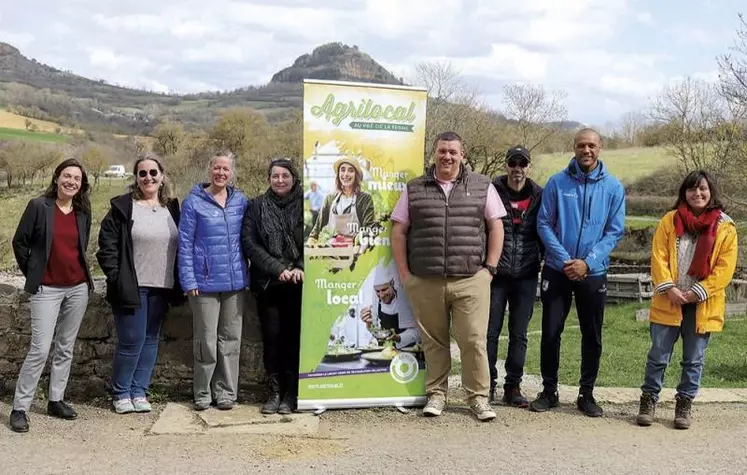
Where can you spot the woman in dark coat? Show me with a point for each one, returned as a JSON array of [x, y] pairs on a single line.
[[272, 238], [50, 247], [138, 240]]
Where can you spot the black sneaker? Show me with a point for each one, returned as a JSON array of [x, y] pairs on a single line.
[[61, 410], [513, 397], [544, 402], [19, 421], [586, 404]]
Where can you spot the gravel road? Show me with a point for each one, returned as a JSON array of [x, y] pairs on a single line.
[[385, 441]]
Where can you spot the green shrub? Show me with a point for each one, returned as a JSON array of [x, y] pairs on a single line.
[[662, 182], [637, 205]]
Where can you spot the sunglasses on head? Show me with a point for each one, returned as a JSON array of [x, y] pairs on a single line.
[[517, 162], [143, 173]]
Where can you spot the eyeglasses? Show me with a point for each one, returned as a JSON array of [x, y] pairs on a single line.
[[513, 163], [143, 173]]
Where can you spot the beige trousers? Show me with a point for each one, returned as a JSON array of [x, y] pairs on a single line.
[[458, 306]]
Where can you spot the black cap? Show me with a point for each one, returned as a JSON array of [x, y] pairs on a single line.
[[518, 151]]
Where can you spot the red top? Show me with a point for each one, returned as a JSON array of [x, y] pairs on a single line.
[[519, 208], [64, 266]]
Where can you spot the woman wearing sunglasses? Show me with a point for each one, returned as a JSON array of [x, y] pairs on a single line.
[[138, 242]]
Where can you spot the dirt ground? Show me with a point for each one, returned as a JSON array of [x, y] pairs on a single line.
[[385, 441]]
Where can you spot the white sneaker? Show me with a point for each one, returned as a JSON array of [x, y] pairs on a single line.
[[434, 407], [123, 406], [141, 404], [482, 411]]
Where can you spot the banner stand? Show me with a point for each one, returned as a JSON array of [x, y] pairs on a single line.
[[360, 344]]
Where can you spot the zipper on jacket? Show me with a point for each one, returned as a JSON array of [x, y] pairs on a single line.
[[446, 224], [207, 268], [228, 237], [583, 218]]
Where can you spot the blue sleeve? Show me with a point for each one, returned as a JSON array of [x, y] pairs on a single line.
[[187, 230], [613, 232], [546, 219]]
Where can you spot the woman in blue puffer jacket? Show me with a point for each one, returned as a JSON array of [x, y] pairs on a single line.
[[213, 273]]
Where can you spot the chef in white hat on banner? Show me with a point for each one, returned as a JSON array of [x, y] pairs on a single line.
[[390, 310]]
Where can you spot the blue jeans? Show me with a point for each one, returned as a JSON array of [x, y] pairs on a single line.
[[694, 345], [138, 333]]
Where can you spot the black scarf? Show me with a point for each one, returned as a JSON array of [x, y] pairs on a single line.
[[280, 218]]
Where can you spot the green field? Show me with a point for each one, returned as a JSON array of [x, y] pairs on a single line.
[[641, 222], [19, 134], [627, 165]]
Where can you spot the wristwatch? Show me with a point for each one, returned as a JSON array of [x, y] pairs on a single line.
[[492, 269]]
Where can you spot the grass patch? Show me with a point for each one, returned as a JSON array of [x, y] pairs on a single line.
[[14, 121], [625, 346], [628, 165], [19, 134], [641, 222]]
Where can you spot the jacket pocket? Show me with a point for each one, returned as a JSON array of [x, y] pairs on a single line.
[[665, 310], [205, 267]]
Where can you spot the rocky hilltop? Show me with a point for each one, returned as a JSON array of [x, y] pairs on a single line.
[[339, 62]]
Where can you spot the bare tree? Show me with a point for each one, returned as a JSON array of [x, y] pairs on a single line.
[[733, 68], [450, 99], [169, 136], [23, 161], [487, 137], [703, 129], [631, 126], [537, 113], [96, 162]]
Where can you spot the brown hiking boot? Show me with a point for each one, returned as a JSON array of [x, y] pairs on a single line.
[[647, 410], [682, 412], [512, 396]]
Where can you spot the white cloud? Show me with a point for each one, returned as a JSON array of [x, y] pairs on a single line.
[[646, 18], [707, 76], [552, 24], [629, 85], [580, 46], [215, 52], [507, 61], [699, 35], [19, 40], [107, 59]]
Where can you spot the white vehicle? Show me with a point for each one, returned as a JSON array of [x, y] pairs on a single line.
[[116, 171]]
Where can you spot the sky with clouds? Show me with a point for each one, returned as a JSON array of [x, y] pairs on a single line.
[[610, 56]]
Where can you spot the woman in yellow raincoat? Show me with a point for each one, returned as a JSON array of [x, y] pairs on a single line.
[[693, 257]]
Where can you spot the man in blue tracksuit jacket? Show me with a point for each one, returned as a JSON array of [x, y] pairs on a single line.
[[581, 220]]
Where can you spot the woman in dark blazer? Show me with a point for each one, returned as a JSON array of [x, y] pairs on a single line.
[[138, 240], [50, 248], [272, 238]]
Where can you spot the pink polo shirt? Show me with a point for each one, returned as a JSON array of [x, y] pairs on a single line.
[[494, 208]]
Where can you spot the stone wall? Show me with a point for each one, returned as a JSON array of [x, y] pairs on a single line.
[[94, 349]]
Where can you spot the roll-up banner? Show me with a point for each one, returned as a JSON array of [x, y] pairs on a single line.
[[360, 344]]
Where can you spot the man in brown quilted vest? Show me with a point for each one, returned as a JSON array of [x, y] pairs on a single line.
[[446, 240]]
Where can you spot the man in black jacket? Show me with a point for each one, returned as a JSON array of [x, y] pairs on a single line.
[[516, 281]]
